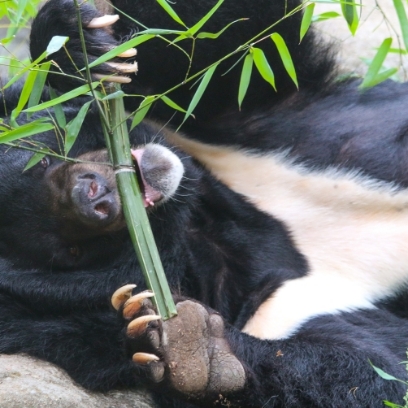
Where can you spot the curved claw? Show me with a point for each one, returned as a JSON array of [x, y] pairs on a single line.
[[121, 295], [134, 304], [112, 78], [131, 52], [138, 326], [144, 358], [104, 21], [123, 67]]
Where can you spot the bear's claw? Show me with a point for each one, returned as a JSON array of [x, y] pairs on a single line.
[[104, 21], [144, 358], [116, 67], [121, 295], [112, 78], [131, 52], [133, 305], [138, 326], [123, 67]]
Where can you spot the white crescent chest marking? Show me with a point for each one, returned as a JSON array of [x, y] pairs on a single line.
[[352, 230]]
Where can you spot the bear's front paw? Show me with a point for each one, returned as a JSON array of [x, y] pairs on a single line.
[[188, 352], [115, 70], [59, 18]]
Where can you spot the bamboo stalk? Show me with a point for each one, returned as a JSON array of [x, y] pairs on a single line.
[[118, 145], [133, 208]]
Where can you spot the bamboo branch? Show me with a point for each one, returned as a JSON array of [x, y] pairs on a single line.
[[133, 208], [118, 145]]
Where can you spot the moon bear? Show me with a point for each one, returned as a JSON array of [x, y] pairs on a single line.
[[281, 224]]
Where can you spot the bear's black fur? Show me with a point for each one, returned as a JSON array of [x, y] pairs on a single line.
[[58, 272], [315, 65]]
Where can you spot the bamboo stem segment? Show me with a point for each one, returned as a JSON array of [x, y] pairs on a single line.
[[118, 145], [133, 208]]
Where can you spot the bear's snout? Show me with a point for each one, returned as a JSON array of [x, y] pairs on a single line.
[[93, 200], [86, 196]]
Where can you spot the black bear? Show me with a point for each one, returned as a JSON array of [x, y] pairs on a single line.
[[287, 263]]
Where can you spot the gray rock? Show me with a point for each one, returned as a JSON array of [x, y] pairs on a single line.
[[29, 383]]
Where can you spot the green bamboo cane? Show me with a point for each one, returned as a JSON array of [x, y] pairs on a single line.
[[117, 141], [134, 210]]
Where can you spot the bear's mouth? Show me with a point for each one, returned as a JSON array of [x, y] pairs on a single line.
[[102, 209], [149, 193]]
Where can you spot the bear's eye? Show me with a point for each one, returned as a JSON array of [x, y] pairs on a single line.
[[74, 250], [45, 162]]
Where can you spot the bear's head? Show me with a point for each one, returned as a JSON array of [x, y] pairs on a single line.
[[70, 211]]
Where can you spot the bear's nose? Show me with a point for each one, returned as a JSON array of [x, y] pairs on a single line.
[[92, 186], [93, 200]]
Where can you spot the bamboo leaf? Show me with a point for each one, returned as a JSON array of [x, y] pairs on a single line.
[[386, 376], [376, 63], [245, 78], [142, 110], [99, 95], [22, 5], [35, 158], [349, 9], [58, 111], [74, 126], [392, 405], [193, 30], [306, 20], [169, 10], [29, 129], [325, 16], [402, 17], [197, 26], [14, 66], [13, 28], [134, 42], [161, 31], [39, 83], [397, 51], [263, 66], [28, 67], [382, 76], [172, 104], [114, 95], [56, 44], [285, 57], [213, 36], [5, 41], [63, 98], [25, 94], [199, 92]]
